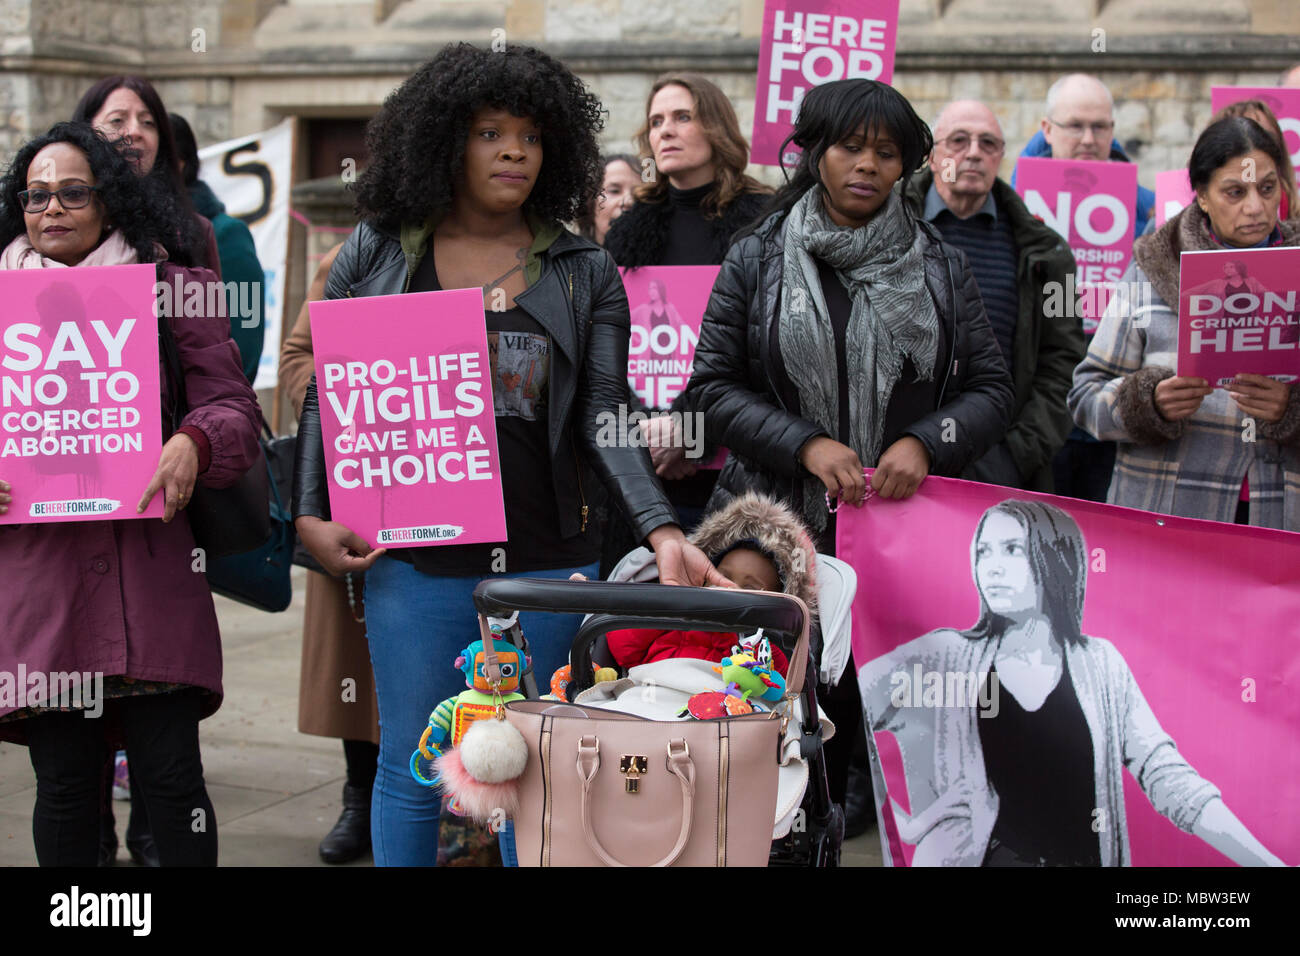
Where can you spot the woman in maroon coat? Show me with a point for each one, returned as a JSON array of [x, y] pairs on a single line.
[[125, 599]]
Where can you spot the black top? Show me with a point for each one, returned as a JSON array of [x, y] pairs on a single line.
[[690, 240], [990, 248], [1040, 764], [520, 356]]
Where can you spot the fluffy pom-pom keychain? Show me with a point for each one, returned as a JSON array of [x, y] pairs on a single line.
[[481, 775]]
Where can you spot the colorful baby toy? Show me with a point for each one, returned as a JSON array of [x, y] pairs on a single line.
[[484, 754], [749, 674]]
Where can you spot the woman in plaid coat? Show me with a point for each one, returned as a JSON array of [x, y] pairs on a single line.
[[1185, 448]]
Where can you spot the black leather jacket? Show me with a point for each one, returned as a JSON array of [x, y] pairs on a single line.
[[957, 417], [580, 301]]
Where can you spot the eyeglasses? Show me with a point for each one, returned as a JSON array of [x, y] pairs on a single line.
[[1076, 130], [70, 197], [960, 142]]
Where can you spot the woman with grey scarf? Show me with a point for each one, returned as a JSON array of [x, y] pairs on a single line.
[[842, 333]]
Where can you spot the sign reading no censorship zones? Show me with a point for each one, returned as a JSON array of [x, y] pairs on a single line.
[[405, 392]]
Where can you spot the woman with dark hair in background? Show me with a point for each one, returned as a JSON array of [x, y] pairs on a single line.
[[841, 333], [1259, 111], [475, 162], [137, 600], [621, 178], [129, 111], [240, 268], [686, 215], [1180, 440], [1025, 773]]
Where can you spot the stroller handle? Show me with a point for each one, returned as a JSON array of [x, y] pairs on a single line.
[[727, 609]]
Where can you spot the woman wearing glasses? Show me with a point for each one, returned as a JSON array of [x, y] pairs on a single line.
[[140, 615]]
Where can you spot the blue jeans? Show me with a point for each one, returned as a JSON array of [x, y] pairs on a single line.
[[416, 626]]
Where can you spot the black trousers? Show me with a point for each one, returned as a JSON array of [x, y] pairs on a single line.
[[1082, 469], [162, 736]]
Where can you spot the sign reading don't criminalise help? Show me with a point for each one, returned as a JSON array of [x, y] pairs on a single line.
[[80, 417], [405, 394], [1238, 313]]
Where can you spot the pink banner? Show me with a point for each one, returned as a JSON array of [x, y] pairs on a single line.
[[1174, 193], [667, 304], [1283, 101], [406, 406], [1091, 205], [79, 393], [809, 42], [1054, 680], [1237, 312]]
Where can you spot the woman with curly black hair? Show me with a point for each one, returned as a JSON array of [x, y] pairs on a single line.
[[140, 615], [476, 160]]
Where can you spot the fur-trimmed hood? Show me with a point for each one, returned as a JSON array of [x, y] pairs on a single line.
[[1158, 254], [776, 529], [639, 236]]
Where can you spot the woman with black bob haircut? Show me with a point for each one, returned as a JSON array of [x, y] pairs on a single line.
[[477, 159], [139, 616], [842, 333]]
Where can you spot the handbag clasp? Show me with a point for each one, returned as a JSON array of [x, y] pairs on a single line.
[[632, 766]]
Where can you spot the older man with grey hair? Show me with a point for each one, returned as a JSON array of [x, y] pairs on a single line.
[[1017, 262]]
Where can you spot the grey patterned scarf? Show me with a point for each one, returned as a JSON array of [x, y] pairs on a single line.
[[893, 318]]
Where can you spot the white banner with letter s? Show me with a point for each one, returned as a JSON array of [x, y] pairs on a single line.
[[251, 176]]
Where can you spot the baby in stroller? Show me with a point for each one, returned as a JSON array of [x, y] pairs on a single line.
[[756, 542]]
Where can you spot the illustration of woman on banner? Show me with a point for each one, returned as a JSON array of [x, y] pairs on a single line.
[[1029, 772], [658, 310]]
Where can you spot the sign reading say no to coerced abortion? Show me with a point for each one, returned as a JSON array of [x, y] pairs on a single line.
[[806, 43], [405, 394], [1091, 205], [80, 417], [1238, 313]]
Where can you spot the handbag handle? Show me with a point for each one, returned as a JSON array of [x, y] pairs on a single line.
[[679, 762]]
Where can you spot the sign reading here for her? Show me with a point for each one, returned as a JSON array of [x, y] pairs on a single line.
[[403, 383], [806, 43], [1237, 312], [1091, 205], [80, 420]]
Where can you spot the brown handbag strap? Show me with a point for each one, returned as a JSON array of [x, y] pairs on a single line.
[[491, 664], [679, 762]]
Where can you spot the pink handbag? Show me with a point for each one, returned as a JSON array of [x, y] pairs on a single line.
[[608, 788]]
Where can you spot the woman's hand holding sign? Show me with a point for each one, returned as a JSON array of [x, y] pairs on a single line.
[[1179, 397], [178, 468], [1260, 396], [338, 548], [5, 497], [837, 467]]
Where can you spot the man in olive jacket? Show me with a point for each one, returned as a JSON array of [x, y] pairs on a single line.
[[1018, 263]]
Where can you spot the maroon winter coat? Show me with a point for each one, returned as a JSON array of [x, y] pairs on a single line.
[[120, 597]]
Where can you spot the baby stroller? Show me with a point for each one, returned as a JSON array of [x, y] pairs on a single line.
[[808, 827]]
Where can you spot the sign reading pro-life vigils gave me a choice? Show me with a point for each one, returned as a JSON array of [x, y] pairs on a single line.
[[405, 393]]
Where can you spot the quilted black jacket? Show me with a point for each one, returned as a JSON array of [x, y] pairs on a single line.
[[580, 301], [958, 416]]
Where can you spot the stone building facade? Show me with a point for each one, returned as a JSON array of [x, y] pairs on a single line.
[[238, 66]]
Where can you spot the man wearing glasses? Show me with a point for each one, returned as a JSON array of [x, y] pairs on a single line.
[[1080, 124], [1017, 261]]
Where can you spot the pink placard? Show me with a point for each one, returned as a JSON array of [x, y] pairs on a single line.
[[1174, 193], [1283, 101], [1237, 312], [1091, 205], [406, 404], [809, 42], [1188, 661], [667, 305], [79, 393]]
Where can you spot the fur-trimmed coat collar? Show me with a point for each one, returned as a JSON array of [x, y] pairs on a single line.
[[639, 236], [1158, 254], [777, 530]]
